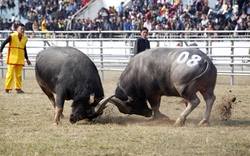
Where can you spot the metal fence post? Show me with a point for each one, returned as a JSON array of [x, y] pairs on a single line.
[[210, 44], [232, 61], [157, 42], [44, 42], [2, 68], [101, 54], [23, 75], [131, 45], [207, 43], [67, 41], [181, 36]]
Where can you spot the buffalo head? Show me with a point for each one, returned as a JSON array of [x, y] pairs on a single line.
[[89, 111], [129, 105]]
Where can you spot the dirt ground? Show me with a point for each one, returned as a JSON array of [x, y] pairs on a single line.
[[231, 102]]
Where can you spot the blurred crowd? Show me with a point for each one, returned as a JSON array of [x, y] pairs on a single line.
[[157, 15]]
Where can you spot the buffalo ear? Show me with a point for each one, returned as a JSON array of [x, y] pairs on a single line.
[[91, 98]]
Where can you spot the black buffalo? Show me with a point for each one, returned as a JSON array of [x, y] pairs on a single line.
[[70, 74], [170, 72]]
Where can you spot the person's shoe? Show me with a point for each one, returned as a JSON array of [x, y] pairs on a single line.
[[20, 91], [7, 91]]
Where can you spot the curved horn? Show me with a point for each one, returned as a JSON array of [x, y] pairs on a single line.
[[122, 108], [91, 98], [101, 105]]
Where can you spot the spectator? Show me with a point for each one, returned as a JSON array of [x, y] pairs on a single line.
[[38, 7], [42, 10], [147, 24], [13, 17], [78, 27], [205, 9], [28, 27], [113, 24], [20, 10], [191, 10], [218, 4], [243, 15], [235, 7], [35, 28], [113, 27], [229, 8], [135, 22], [210, 27], [248, 8], [220, 24], [106, 27], [179, 23], [104, 13], [119, 23], [70, 24], [204, 20], [248, 25], [159, 14], [127, 26], [120, 9], [241, 27], [112, 10], [52, 25], [60, 25], [211, 15], [48, 8], [3, 6], [126, 12], [6, 27], [32, 16], [11, 5], [84, 3], [55, 6], [197, 18], [142, 43]]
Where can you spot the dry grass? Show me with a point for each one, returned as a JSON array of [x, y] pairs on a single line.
[[26, 126]]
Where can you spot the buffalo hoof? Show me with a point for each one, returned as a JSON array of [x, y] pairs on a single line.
[[56, 123], [180, 122], [204, 123], [160, 116]]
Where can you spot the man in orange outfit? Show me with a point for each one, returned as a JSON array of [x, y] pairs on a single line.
[[15, 58]]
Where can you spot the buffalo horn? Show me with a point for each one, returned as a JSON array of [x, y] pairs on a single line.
[[101, 105], [122, 108], [92, 98]]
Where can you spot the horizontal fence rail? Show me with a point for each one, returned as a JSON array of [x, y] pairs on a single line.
[[229, 50]]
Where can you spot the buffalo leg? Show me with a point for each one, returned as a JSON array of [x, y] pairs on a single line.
[[193, 102], [155, 105], [51, 97], [59, 107], [209, 98]]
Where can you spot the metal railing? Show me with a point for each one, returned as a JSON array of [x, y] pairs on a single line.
[[228, 51]]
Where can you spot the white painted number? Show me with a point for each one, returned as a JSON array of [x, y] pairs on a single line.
[[183, 57]]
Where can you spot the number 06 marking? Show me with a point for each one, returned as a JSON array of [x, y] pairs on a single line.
[[183, 57]]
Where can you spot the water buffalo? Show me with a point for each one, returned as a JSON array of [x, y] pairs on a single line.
[[70, 74], [170, 72]]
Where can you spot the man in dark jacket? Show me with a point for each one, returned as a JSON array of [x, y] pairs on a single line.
[[142, 43], [52, 25], [28, 27]]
